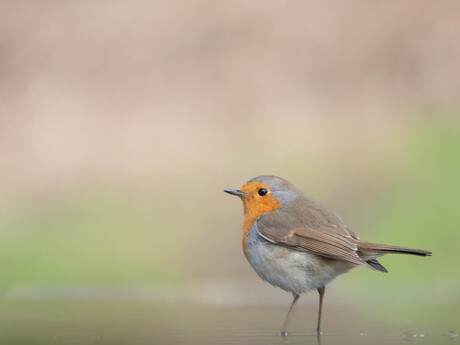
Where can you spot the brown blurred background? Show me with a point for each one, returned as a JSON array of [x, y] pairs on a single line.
[[122, 122]]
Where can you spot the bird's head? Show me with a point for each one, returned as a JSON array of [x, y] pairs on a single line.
[[264, 194]]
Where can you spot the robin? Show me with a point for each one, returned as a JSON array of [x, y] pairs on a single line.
[[299, 245]]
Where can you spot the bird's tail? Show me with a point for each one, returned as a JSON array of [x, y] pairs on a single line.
[[370, 251], [385, 249]]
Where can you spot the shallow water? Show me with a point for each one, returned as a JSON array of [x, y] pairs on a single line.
[[146, 322]]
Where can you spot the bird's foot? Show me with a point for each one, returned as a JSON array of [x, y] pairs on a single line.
[[318, 333], [283, 334]]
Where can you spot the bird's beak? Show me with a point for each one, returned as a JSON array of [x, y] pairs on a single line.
[[236, 192]]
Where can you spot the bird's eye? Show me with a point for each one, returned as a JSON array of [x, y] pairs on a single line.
[[262, 191]]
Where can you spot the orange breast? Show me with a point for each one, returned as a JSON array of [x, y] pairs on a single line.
[[254, 206], [247, 223]]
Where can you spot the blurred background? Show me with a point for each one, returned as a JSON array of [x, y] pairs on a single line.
[[122, 122]]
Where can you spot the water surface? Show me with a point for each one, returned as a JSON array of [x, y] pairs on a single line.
[[146, 322]]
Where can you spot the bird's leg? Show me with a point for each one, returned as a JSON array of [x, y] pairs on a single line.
[[321, 295], [286, 321]]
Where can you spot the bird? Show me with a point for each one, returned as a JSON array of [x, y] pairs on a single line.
[[299, 245]]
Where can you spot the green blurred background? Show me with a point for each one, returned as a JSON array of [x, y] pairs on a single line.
[[122, 122]]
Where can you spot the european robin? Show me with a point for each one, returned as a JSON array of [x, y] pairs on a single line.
[[299, 245]]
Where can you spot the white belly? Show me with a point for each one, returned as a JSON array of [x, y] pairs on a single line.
[[293, 271]]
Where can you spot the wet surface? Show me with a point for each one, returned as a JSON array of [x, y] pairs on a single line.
[[145, 322]]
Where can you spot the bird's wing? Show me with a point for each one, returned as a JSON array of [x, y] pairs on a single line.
[[331, 239]]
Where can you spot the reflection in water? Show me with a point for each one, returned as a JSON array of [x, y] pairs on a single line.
[[308, 340], [144, 322], [451, 335]]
